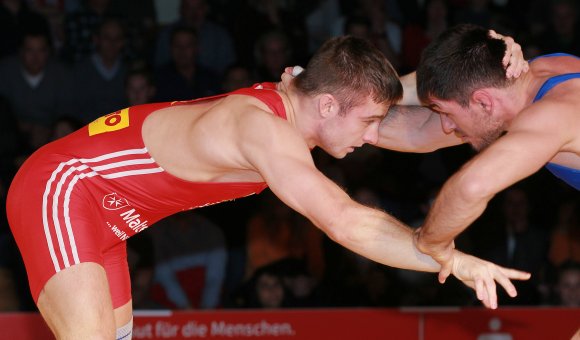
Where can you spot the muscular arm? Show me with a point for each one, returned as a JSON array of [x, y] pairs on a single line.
[[410, 127], [518, 154], [283, 160], [413, 129]]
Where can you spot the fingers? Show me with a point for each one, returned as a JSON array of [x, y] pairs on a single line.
[[289, 73], [445, 271], [485, 290], [507, 285], [286, 78], [515, 274], [511, 48], [513, 59], [506, 275], [491, 291], [297, 70]]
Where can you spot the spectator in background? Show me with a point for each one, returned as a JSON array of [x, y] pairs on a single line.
[[273, 53], [139, 86], [216, 47], [522, 245], [384, 33], [565, 240], [277, 232], [300, 284], [183, 78], [319, 22], [13, 144], [54, 11], [186, 241], [477, 12], [265, 289], [568, 286], [64, 126], [79, 29], [141, 260], [15, 16], [37, 87], [100, 78], [434, 19], [236, 77], [261, 16], [562, 33], [140, 21], [9, 300]]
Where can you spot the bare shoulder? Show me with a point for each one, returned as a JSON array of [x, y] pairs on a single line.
[[258, 132], [556, 117]]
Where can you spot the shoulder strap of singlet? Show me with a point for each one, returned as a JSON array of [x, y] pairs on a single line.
[[266, 92], [557, 54], [553, 81]]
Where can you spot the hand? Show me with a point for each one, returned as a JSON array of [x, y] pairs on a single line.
[[513, 59], [290, 73], [481, 276], [441, 254]]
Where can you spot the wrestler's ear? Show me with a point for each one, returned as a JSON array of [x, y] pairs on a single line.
[[327, 105], [483, 100]]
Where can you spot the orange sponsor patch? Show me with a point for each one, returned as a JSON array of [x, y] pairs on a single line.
[[112, 122]]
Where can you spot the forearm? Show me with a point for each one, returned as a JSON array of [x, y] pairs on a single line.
[[413, 129], [455, 208], [384, 239], [409, 82]]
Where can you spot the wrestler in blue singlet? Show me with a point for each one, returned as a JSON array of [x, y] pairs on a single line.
[[568, 175]]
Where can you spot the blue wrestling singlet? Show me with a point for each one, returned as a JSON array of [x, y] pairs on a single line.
[[568, 175]]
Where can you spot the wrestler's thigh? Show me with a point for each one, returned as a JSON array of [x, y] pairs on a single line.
[[76, 303]]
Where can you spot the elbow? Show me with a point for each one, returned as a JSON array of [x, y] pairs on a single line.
[[475, 188], [348, 227], [338, 231]]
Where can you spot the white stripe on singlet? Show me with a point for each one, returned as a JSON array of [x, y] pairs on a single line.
[[62, 177]]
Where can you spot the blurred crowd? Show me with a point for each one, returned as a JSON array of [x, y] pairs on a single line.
[[66, 62]]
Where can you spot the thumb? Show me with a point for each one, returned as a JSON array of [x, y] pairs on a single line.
[[444, 273]]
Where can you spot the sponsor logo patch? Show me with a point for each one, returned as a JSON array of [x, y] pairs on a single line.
[[114, 202], [129, 215], [112, 122]]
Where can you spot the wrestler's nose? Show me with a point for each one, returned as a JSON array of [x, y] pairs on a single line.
[[447, 124], [371, 136]]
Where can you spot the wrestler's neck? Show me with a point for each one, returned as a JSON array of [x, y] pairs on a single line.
[[298, 108], [517, 96]]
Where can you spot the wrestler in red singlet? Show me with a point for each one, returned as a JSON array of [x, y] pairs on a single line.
[[79, 198]]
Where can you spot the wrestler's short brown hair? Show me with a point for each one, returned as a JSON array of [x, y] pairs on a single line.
[[351, 69]]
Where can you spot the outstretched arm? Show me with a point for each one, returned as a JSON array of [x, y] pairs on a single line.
[[529, 145], [286, 165]]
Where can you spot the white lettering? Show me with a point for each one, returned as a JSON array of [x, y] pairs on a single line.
[[263, 328], [133, 221], [193, 329]]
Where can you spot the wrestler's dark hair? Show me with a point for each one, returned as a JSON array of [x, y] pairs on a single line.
[[461, 60], [351, 69]]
